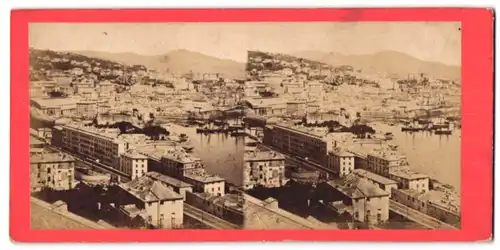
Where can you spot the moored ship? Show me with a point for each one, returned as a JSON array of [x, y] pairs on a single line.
[[443, 131], [389, 136]]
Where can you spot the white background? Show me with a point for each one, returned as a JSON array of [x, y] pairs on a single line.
[[7, 5]]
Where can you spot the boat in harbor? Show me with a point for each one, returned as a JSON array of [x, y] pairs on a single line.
[[238, 133], [413, 126], [411, 129], [389, 136], [211, 130], [237, 125], [443, 131]]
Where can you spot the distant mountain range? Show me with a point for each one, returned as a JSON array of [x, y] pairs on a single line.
[[390, 62], [179, 61]]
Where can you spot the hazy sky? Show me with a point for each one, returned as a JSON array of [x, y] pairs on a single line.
[[440, 42]]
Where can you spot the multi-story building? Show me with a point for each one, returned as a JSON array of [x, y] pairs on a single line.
[[205, 183], [85, 88], [102, 145], [45, 87], [86, 108], [52, 170], [54, 106], [366, 201], [341, 162], [177, 185], [36, 90], [411, 180], [383, 162], [383, 183], [293, 87], [296, 107], [315, 90], [133, 164], [177, 163], [188, 168], [263, 168], [105, 89], [251, 89], [267, 106], [300, 142], [152, 201]]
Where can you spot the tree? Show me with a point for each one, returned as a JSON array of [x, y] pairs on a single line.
[[360, 129], [155, 131], [57, 94]]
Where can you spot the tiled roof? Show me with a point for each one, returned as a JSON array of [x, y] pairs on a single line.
[[168, 180], [408, 174], [51, 157], [374, 177], [356, 187], [55, 102], [263, 155], [134, 155], [148, 190]]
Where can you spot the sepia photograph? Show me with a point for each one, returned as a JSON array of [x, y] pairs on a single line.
[[283, 125], [355, 125]]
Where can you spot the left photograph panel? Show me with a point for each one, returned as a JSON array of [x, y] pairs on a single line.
[[136, 125]]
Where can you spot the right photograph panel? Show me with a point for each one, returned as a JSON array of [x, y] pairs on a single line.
[[353, 125]]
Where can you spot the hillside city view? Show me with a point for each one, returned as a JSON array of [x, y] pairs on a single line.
[[304, 139]]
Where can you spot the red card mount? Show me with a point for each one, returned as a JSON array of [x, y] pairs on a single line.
[[477, 124]]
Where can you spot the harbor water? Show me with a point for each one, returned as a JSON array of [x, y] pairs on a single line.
[[438, 156], [221, 154]]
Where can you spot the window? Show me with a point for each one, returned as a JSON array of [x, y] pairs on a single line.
[[150, 218], [356, 214]]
